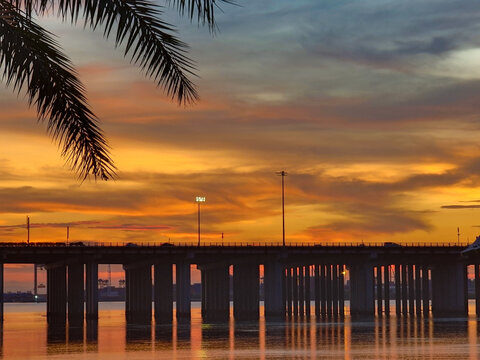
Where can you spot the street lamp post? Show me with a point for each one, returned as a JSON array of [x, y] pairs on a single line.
[[283, 174], [199, 200]]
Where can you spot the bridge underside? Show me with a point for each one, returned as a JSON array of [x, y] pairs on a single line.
[[292, 281]]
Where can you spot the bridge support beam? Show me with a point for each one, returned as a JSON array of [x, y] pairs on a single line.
[[379, 291], [323, 290], [404, 290], [329, 290], [273, 287], [138, 283], [246, 301], [216, 299], [163, 292], [75, 294], [182, 272], [91, 287], [57, 295], [317, 290], [449, 290], [418, 291], [362, 301]]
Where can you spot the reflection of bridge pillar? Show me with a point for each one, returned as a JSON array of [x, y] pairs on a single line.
[[138, 283], [56, 295], [246, 290], [216, 300], [75, 294], [273, 285], [91, 288], [182, 271], [361, 290], [163, 292], [449, 290]]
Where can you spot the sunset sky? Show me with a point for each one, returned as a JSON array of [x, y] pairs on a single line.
[[372, 107]]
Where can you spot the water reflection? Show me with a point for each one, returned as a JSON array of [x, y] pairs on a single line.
[[295, 338]]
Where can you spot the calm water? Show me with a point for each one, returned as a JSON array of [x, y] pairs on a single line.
[[27, 336]]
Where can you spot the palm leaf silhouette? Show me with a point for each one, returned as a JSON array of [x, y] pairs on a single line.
[[32, 60]]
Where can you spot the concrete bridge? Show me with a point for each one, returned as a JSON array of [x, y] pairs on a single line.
[[417, 280]]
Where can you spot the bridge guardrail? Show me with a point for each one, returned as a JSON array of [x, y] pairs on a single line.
[[86, 243]]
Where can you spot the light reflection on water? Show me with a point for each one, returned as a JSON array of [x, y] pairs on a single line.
[[26, 336]]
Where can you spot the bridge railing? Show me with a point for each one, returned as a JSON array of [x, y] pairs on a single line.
[[237, 244]]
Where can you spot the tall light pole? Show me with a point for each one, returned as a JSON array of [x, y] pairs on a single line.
[[28, 229], [283, 174], [199, 200]]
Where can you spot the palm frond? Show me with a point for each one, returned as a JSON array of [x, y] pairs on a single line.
[[149, 41], [202, 10], [31, 60]]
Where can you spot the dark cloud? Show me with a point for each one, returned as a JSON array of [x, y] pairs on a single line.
[[460, 206]]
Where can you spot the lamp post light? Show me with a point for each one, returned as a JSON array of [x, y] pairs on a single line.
[[199, 200]]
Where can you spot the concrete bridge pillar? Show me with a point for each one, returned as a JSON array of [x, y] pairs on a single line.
[[75, 294], [301, 291], [404, 290], [289, 290], [246, 290], [323, 290], [307, 292], [273, 286], [411, 291], [398, 291], [163, 292], [329, 290], [335, 290], [183, 304], [379, 291], [418, 291], [449, 290], [477, 289], [341, 291], [217, 294], [138, 283], [57, 295], [91, 287], [425, 292], [386, 288], [317, 290], [1, 293], [362, 301], [295, 291]]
